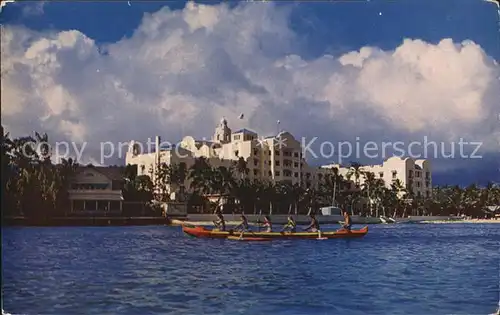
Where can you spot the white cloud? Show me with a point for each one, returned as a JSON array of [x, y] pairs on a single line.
[[183, 70], [3, 3]]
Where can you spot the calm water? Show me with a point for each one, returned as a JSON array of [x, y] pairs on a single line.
[[395, 269]]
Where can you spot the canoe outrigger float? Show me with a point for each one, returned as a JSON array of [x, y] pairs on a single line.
[[201, 232]]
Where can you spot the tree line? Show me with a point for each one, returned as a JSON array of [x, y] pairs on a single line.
[[34, 186], [371, 198]]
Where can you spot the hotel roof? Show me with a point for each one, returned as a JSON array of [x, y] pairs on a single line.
[[245, 131]]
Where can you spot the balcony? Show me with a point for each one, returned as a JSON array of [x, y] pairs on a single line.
[[94, 194]]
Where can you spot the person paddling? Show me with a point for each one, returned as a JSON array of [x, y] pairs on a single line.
[[220, 223], [314, 226], [290, 225], [267, 224], [243, 226], [347, 221]]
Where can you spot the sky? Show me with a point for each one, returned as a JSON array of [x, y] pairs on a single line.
[[358, 71]]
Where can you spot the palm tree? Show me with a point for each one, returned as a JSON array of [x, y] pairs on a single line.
[[42, 141], [355, 170], [331, 184], [199, 174], [241, 167], [396, 192], [370, 188], [162, 180], [221, 182]]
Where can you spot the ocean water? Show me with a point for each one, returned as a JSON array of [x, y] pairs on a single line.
[[395, 269]]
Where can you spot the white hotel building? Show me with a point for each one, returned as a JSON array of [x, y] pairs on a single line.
[[275, 158], [414, 175]]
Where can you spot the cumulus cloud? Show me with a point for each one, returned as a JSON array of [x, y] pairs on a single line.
[[182, 70], [3, 3]]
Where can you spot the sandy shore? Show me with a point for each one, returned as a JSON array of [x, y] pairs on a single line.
[[462, 221]]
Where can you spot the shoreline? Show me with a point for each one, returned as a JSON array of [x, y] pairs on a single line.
[[176, 222], [470, 221], [179, 221]]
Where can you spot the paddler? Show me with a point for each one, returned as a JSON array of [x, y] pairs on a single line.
[[220, 223], [243, 226], [290, 225], [347, 221], [267, 224], [314, 226]]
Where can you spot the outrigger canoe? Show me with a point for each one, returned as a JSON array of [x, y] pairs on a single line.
[[249, 239], [202, 232]]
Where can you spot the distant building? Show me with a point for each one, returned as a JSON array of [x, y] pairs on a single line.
[[275, 158], [414, 175], [96, 189]]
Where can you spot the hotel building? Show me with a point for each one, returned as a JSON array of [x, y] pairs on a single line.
[[276, 158], [414, 175]]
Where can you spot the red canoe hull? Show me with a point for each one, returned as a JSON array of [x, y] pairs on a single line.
[[201, 232]]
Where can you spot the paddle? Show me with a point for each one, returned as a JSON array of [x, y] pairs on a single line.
[[319, 238]]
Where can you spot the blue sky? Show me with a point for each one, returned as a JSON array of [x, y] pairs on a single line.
[[300, 35], [327, 27]]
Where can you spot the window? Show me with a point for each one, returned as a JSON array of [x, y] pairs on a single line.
[[237, 137], [394, 174], [296, 174], [381, 174], [277, 163], [296, 154], [427, 175], [295, 164], [236, 152], [417, 174], [255, 172], [255, 151], [255, 162], [276, 152], [270, 173], [427, 193], [418, 184], [410, 173], [277, 173]]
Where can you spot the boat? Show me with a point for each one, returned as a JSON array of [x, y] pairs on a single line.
[[250, 239], [202, 232]]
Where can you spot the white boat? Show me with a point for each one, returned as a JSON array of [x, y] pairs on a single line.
[[387, 220]]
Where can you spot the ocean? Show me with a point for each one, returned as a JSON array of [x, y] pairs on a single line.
[[395, 269]]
